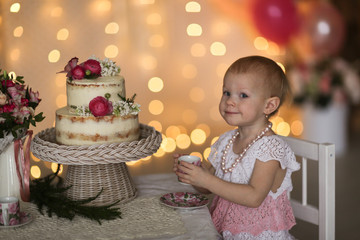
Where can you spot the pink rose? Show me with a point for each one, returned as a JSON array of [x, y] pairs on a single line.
[[24, 102], [100, 106], [18, 115], [8, 83], [34, 96], [77, 72], [93, 66], [13, 208], [9, 107], [325, 83], [15, 94], [70, 66], [3, 99], [14, 221], [21, 89], [25, 112]]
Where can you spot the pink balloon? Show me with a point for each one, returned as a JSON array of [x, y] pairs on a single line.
[[276, 20], [324, 28]]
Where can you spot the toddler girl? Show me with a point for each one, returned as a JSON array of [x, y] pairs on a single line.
[[250, 167]]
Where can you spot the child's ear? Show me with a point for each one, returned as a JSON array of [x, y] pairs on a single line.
[[271, 105]]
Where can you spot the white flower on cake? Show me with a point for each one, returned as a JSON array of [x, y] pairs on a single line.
[[123, 108]]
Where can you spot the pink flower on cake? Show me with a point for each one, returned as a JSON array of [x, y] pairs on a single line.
[[77, 72], [100, 106], [71, 64], [92, 67], [89, 69]]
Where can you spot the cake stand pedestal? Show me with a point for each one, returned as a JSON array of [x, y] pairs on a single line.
[[92, 168]]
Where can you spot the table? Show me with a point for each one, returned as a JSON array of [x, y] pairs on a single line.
[[184, 224], [197, 222]]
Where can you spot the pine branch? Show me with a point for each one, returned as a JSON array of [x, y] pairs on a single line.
[[45, 193]]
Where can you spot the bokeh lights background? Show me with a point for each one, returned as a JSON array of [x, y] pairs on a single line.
[[173, 55]]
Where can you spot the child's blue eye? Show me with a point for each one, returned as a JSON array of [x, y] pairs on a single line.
[[226, 93], [243, 95]]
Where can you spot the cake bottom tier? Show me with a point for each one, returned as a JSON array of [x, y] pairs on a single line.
[[72, 129]]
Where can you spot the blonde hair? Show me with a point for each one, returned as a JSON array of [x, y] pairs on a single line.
[[272, 75]]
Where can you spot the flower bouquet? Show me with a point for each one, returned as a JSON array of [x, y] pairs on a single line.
[[324, 91], [17, 112], [17, 106], [325, 82]]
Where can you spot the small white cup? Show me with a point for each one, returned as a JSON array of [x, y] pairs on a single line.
[[9, 211], [190, 159]]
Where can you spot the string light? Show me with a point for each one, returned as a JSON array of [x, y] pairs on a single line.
[[198, 136], [261, 43], [54, 56], [15, 7], [18, 31], [62, 34], [194, 30], [218, 49], [35, 171], [156, 107], [183, 141], [198, 50], [192, 7], [155, 84]]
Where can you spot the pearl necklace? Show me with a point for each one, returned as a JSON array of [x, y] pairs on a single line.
[[241, 155]]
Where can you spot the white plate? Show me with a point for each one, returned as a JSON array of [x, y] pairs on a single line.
[[184, 200]]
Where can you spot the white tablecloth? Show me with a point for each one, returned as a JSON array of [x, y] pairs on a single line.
[[143, 218], [197, 222]]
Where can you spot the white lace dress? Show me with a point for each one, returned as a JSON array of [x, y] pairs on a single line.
[[274, 217]]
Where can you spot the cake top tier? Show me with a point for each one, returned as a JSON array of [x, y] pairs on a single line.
[[90, 69], [95, 87], [81, 92]]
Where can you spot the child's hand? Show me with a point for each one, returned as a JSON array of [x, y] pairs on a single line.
[[175, 158], [194, 175]]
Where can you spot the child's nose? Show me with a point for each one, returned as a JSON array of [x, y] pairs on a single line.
[[230, 101]]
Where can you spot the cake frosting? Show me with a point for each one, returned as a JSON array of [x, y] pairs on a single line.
[[81, 92], [97, 110]]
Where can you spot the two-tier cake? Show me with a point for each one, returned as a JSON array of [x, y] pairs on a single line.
[[97, 110]]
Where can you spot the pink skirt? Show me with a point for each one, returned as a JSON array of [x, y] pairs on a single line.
[[273, 214]]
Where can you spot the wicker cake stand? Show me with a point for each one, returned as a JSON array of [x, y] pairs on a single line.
[[95, 167]]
